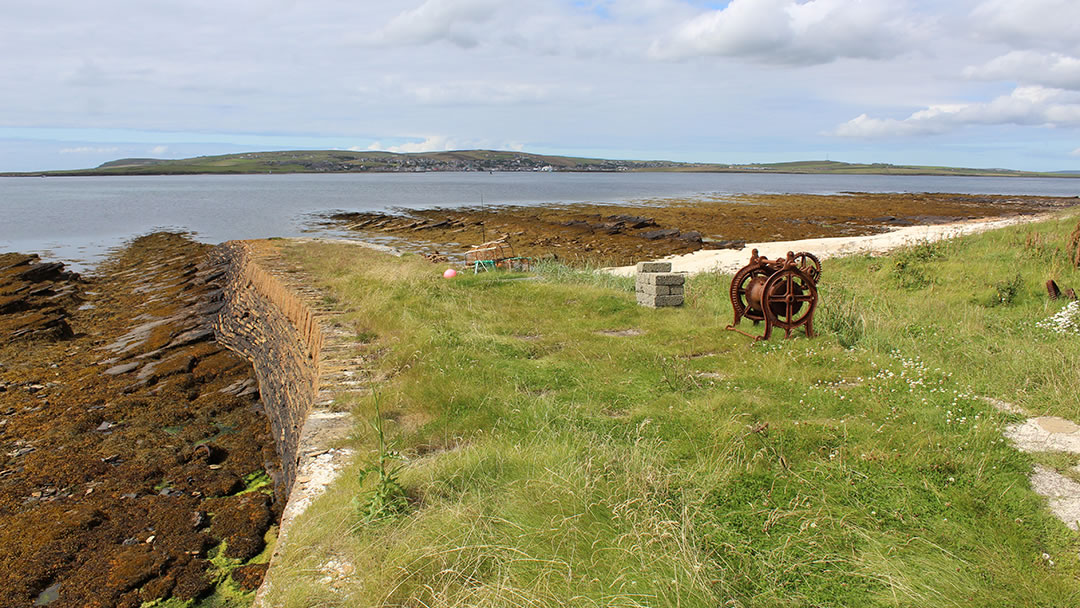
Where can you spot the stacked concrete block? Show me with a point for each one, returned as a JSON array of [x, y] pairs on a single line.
[[658, 286]]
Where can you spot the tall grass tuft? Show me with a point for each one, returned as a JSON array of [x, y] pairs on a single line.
[[840, 315], [911, 267], [555, 271]]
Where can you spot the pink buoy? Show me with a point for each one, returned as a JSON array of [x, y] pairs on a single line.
[[449, 274]]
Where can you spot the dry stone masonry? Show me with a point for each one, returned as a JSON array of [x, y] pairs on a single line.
[[266, 323], [304, 361], [657, 286]]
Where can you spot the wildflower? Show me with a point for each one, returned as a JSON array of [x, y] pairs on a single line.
[[1065, 321]]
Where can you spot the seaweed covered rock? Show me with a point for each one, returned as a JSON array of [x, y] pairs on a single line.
[[115, 441], [241, 522], [35, 297]]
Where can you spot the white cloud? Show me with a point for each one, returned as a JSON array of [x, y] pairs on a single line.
[[1027, 106], [1044, 24], [793, 32], [1075, 152], [479, 93], [865, 126], [1031, 67], [434, 143], [580, 29], [440, 143], [434, 20], [567, 76], [435, 90], [89, 74], [159, 150], [89, 150]]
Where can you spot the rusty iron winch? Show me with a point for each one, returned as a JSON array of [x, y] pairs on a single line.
[[781, 292]]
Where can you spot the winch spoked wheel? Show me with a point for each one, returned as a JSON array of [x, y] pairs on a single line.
[[809, 264], [740, 284], [789, 301]]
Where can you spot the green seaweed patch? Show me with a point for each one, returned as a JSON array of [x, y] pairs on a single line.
[[258, 481], [222, 564], [270, 542], [226, 593]]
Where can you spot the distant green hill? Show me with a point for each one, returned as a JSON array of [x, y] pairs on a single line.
[[345, 161], [127, 163]]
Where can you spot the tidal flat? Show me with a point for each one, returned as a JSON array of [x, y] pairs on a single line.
[[624, 233], [137, 464]]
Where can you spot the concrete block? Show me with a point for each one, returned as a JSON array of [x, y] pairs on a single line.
[[652, 301], [658, 290], [669, 300], [653, 267], [661, 278]]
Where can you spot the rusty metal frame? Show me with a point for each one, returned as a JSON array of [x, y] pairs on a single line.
[[782, 293]]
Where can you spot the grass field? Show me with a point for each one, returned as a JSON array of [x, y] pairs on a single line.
[[557, 445]]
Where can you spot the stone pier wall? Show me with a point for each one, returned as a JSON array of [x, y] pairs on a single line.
[[266, 322], [304, 362]]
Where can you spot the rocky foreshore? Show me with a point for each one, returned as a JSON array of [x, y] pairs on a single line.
[[625, 233], [35, 298], [136, 462]]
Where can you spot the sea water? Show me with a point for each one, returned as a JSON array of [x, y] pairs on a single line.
[[77, 220]]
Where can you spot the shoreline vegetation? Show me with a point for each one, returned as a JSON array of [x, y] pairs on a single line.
[[556, 444], [346, 161]]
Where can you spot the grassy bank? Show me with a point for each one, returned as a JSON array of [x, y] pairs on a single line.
[[560, 445]]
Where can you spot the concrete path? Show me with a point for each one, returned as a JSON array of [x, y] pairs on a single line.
[[1048, 434]]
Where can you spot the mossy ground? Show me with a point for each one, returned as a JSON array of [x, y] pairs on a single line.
[[563, 446]]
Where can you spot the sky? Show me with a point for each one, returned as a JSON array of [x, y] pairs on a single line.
[[971, 83]]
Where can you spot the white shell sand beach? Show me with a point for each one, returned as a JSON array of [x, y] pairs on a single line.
[[731, 260]]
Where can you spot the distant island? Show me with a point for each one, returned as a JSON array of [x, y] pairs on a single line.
[[345, 161]]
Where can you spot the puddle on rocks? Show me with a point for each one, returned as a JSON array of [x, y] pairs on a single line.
[[48, 596]]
